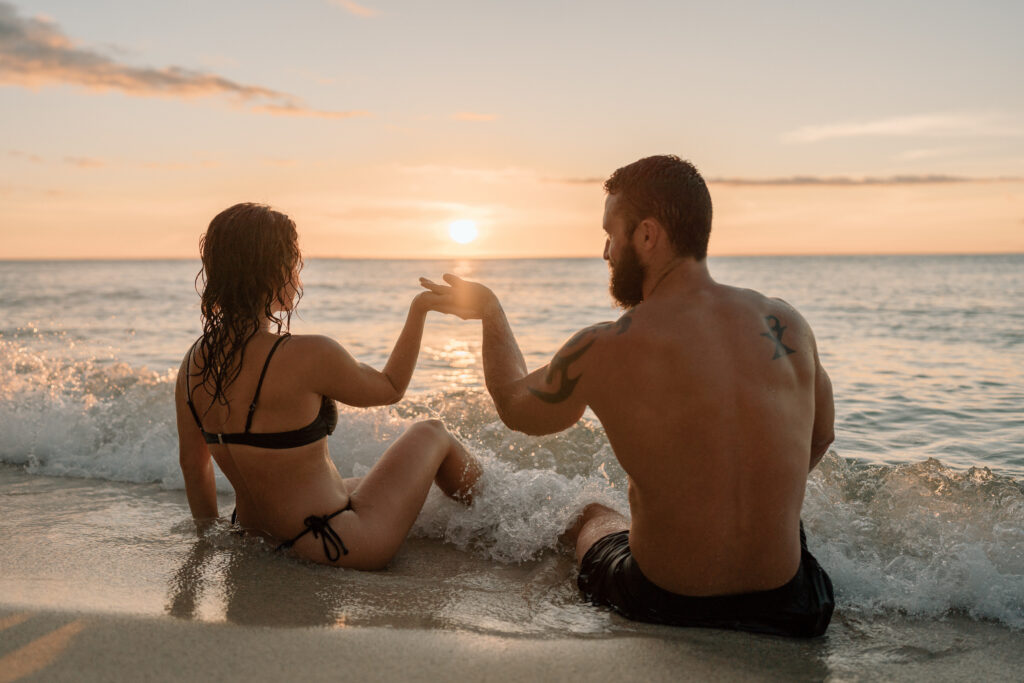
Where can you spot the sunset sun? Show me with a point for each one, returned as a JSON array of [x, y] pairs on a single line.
[[463, 231]]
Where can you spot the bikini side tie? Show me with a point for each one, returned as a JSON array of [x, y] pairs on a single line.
[[320, 527]]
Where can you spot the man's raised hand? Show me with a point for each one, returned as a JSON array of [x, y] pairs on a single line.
[[465, 299]]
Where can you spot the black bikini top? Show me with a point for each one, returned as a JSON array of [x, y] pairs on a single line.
[[322, 425]]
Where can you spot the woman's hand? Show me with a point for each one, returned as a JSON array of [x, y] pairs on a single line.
[[468, 300], [425, 302]]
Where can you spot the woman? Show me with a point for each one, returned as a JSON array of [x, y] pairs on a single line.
[[261, 403]]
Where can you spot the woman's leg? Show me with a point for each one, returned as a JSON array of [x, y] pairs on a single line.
[[388, 499]]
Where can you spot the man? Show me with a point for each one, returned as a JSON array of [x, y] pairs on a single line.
[[715, 403]]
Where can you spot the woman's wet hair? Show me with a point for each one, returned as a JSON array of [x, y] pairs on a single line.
[[251, 259]]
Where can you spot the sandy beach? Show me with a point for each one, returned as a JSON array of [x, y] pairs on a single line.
[[59, 646], [104, 581]]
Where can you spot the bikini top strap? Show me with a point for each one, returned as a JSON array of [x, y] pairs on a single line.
[[259, 385], [188, 391]]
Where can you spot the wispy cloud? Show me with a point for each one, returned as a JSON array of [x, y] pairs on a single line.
[[474, 116], [27, 156], [390, 210], [928, 153], [34, 52], [824, 181], [355, 8], [292, 109], [85, 162], [484, 174], [13, 191], [845, 181], [180, 165], [929, 125], [591, 180]]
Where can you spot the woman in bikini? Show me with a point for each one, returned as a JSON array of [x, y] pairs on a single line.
[[260, 402]]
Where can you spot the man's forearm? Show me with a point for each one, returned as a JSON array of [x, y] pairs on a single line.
[[503, 361]]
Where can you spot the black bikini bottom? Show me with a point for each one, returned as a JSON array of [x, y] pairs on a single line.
[[801, 608], [320, 527]]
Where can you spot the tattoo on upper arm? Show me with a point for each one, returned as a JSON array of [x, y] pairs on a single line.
[[560, 364], [777, 328]]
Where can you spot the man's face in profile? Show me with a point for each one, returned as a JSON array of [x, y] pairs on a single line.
[[627, 273]]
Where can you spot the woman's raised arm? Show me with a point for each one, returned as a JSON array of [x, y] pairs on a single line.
[[340, 376]]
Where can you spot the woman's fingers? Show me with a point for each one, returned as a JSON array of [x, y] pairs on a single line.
[[433, 286]]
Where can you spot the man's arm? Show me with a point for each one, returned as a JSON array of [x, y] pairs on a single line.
[[823, 433], [542, 402]]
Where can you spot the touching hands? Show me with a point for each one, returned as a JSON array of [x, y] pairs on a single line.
[[468, 300]]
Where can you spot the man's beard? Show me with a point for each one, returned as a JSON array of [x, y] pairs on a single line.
[[627, 285]]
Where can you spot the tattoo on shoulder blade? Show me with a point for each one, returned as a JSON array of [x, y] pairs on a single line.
[[777, 328]]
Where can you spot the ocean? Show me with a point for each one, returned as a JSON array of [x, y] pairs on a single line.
[[917, 512]]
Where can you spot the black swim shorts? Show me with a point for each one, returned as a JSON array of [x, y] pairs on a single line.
[[801, 608]]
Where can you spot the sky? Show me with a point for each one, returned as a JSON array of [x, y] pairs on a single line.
[[821, 127]]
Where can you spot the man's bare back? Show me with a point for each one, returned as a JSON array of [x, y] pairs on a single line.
[[715, 404], [707, 398]]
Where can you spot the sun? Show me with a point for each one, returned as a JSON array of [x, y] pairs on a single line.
[[463, 231]]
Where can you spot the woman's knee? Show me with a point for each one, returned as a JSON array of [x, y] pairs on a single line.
[[428, 428]]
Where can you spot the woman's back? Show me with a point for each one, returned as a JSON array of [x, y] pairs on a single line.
[[274, 485]]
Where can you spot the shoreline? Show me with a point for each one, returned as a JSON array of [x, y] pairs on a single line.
[[102, 580]]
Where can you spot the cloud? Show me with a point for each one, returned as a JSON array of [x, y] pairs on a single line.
[[592, 180], [473, 116], [292, 109], [401, 210], [28, 156], [85, 162], [483, 174], [823, 181], [845, 181], [10, 191], [35, 53], [180, 165], [355, 8], [929, 153], [931, 125]]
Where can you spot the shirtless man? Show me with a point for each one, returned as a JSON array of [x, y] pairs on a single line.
[[715, 403]]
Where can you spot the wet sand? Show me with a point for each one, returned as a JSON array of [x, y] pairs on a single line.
[[101, 581], [73, 646]]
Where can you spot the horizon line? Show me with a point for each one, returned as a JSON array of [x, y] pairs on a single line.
[[106, 259]]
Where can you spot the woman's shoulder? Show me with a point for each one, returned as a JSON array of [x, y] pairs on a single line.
[[313, 348]]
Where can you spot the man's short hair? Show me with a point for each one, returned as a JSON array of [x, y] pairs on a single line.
[[672, 191]]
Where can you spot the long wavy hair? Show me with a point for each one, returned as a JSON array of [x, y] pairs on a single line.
[[251, 260]]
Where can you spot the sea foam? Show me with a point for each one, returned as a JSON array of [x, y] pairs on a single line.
[[919, 538]]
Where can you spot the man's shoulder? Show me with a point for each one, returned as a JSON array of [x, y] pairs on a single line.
[[602, 330], [588, 343], [765, 305]]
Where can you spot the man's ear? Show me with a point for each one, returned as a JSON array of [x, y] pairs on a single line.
[[648, 235]]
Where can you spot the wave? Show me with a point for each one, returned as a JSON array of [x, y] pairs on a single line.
[[917, 538]]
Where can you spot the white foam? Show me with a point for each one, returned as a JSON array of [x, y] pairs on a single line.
[[919, 538]]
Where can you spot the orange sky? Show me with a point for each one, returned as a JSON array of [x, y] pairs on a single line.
[[828, 129]]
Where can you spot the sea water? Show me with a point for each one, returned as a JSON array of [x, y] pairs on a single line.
[[917, 510]]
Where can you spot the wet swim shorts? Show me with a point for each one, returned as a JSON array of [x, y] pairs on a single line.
[[801, 608]]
